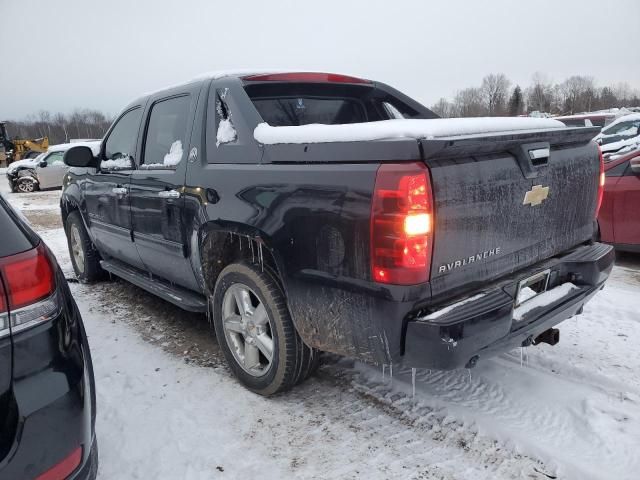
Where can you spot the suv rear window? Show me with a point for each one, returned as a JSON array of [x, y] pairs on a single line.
[[302, 110]]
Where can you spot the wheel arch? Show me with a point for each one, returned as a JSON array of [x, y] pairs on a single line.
[[222, 244], [70, 202]]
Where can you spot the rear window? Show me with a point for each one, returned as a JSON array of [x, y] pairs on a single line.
[[13, 239], [292, 104], [301, 110]]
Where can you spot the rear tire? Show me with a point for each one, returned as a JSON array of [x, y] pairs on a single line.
[[84, 255], [249, 315]]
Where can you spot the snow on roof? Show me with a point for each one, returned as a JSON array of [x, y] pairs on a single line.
[[63, 147], [387, 129]]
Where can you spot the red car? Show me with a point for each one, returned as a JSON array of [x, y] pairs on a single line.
[[619, 218]]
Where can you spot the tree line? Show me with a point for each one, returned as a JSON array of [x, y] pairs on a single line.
[[59, 127], [496, 97]]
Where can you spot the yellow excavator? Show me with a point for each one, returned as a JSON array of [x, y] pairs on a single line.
[[18, 149]]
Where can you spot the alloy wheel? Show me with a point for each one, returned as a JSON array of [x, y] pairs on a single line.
[[247, 329], [77, 249], [26, 186]]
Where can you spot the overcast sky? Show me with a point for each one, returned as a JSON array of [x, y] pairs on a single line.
[[66, 54]]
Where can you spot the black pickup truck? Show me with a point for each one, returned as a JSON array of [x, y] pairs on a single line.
[[309, 212]]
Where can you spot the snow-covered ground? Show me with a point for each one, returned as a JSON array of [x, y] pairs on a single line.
[[168, 408]]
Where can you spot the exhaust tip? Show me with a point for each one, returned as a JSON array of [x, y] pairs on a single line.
[[550, 337]]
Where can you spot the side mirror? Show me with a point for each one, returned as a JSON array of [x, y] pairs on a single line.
[[80, 156], [42, 164], [635, 165]]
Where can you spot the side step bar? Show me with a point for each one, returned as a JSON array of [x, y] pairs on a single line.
[[181, 297]]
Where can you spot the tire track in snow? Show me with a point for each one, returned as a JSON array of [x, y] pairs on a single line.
[[586, 432]]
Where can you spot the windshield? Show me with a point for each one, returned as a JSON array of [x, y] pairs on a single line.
[[627, 129]]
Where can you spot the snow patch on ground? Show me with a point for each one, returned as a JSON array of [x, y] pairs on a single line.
[[47, 200], [397, 128]]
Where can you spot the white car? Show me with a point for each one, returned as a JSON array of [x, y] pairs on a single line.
[[45, 171], [620, 136]]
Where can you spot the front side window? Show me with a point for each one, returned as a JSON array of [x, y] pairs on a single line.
[[165, 140], [120, 146], [55, 158]]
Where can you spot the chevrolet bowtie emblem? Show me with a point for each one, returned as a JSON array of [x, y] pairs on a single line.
[[536, 195]]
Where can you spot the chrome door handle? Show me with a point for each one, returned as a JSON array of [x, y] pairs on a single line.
[[169, 194], [119, 190]]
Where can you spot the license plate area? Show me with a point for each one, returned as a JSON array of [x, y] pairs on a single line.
[[532, 286]]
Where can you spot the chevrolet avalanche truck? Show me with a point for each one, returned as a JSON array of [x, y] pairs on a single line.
[[308, 212]]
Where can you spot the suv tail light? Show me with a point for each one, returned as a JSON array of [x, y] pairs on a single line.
[[601, 179], [401, 224], [4, 318], [29, 290]]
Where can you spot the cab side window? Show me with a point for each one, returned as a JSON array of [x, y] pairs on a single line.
[[55, 158], [120, 146], [165, 140]]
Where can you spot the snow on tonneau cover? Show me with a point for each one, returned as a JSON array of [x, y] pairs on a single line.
[[508, 192]]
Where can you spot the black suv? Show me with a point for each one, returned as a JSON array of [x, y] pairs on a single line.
[[47, 391]]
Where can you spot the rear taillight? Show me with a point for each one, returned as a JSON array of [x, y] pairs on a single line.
[[401, 224], [4, 317], [601, 179], [29, 289]]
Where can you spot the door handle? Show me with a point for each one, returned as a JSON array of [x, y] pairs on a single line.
[[169, 194], [119, 190]]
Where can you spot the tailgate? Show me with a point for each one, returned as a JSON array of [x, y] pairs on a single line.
[[506, 201]]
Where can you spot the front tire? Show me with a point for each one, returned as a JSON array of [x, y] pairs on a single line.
[[84, 256], [255, 331], [26, 185]]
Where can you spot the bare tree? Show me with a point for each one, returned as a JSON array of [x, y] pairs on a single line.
[[495, 88], [469, 103], [443, 108], [539, 94], [577, 93]]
